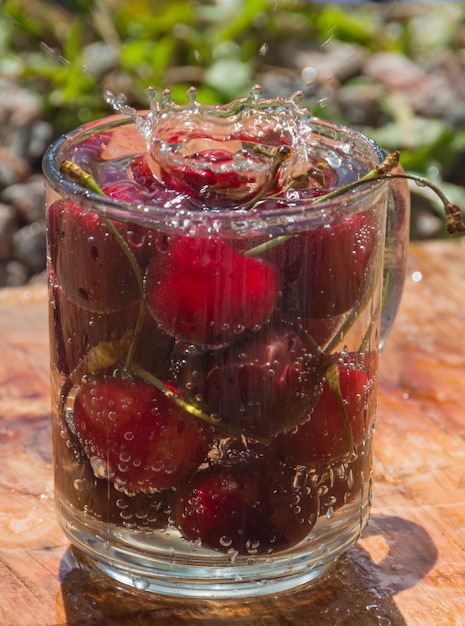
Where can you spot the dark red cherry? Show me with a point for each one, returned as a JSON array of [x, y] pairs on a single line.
[[325, 271], [78, 330], [215, 176], [266, 384], [90, 264], [246, 504], [203, 291]]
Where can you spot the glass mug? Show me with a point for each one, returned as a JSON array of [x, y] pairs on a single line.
[[215, 334]]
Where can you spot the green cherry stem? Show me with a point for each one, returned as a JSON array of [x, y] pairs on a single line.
[[454, 221], [186, 406], [277, 157], [84, 179], [332, 378], [377, 173], [331, 374]]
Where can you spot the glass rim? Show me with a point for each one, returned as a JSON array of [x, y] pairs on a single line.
[[259, 218]]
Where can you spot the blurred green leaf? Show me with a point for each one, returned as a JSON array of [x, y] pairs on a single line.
[[230, 76]]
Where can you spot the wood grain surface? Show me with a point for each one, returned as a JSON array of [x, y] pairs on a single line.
[[409, 567]]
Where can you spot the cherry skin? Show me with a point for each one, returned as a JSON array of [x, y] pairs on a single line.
[[325, 271], [90, 264], [203, 291], [77, 330], [134, 436], [247, 504], [323, 440], [261, 386], [98, 499]]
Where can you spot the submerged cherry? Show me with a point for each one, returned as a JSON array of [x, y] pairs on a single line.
[[325, 271], [82, 250], [203, 291], [135, 437], [323, 439], [263, 385], [247, 503]]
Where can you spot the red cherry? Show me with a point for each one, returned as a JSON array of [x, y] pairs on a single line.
[[326, 270], [126, 191], [77, 330], [214, 176], [202, 291], [100, 500], [322, 440], [266, 384], [88, 151], [90, 264], [134, 436], [248, 505], [142, 173]]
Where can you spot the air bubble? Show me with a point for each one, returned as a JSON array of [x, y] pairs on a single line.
[[100, 468], [252, 546], [300, 477], [225, 541], [232, 555]]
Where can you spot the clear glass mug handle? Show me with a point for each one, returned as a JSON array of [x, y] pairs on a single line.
[[395, 253]]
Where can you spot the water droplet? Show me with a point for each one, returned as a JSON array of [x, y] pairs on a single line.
[[140, 583], [308, 75], [192, 95], [256, 92]]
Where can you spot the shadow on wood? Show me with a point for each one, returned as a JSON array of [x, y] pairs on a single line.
[[359, 591]]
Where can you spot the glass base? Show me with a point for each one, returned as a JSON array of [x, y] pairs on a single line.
[[124, 559]]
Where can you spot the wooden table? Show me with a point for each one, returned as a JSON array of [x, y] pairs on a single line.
[[409, 568]]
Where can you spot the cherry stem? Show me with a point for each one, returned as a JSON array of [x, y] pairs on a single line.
[[86, 180], [186, 406], [332, 378], [283, 153], [453, 215]]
